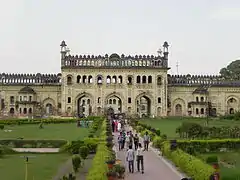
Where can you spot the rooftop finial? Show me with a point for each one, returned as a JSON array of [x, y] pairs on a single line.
[[159, 52]]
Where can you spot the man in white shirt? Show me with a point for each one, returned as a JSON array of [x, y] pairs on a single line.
[[130, 159], [127, 140], [140, 158]]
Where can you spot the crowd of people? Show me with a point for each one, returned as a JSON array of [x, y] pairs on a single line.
[[130, 142]]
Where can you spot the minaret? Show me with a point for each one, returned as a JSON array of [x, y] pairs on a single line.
[[165, 50], [63, 52]]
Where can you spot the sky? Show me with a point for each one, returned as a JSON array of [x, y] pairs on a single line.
[[204, 35]]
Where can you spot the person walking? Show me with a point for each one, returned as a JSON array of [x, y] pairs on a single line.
[[127, 140], [140, 158], [119, 126], [120, 141], [113, 126], [130, 159], [136, 141], [123, 139], [146, 140]]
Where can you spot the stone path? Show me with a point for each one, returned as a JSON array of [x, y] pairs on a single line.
[[37, 150], [155, 167]]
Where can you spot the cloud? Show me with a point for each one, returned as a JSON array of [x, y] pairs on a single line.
[[232, 14]]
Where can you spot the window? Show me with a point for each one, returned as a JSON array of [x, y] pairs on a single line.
[[138, 79], [69, 100], [197, 111], [202, 111], [144, 79], [30, 98], [11, 99], [129, 100], [149, 79], [24, 98], [98, 99], [159, 80], [114, 101], [202, 99], [129, 80], [197, 99], [69, 80], [78, 79], [159, 100], [20, 98]]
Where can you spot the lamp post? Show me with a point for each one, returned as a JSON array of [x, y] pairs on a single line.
[[26, 164]]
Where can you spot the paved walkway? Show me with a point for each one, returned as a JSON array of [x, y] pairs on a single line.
[[155, 168], [37, 150]]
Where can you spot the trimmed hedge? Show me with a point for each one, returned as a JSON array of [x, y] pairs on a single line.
[[21, 143], [212, 145], [192, 166], [99, 167], [46, 121]]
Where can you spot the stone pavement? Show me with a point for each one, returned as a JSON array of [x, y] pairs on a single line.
[[155, 168]]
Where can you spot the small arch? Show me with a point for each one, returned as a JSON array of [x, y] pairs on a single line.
[[202, 99], [88, 101], [130, 80], [69, 79], [138, 80], [108, 80], [110, 101], [114, 79], [30, 111], [90, 79], [24, 110], [197, 99], [120, 79], [197, 111], [114, 101], [11, 111], [149, 79], [159, 80], [99, 79], [144, 79], [84, 80], [78, 79], [178, 110], [231, 111], [202, 111]]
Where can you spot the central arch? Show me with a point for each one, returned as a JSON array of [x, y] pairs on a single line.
[[84, 104], [144, 105], [114, 103]]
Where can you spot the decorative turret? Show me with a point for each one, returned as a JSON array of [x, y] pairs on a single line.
[[64, 51], [165, 50]]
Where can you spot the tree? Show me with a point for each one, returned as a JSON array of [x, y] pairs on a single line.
[[232, 71]]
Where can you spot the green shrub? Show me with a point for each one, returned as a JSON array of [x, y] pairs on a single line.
[[157, 142], [212, 159], [84, 151], [189, 164], [76, 162], [91, 143], [20, 143], [209, 145], [1, 126]]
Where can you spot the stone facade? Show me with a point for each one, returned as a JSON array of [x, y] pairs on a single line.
[[134, 85]]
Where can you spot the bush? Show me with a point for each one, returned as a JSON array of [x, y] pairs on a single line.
[[189, 164], [84, 151], [214, 145], [157, 142], [1, 126], [76, 162], [21, 143], [212, 159], [91, 143]]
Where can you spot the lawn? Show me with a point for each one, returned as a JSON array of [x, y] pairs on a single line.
[[229, 164], [168, 125], [41, 166], [50, 131]]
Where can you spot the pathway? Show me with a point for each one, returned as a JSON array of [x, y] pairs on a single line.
[[37, 150], [155, 167]]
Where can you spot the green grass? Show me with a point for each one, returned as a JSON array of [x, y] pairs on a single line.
[[168, 125], [41, 167], [228, 172], [50, 131]]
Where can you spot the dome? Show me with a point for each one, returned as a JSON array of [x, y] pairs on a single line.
[[114, 55], [27, 90]]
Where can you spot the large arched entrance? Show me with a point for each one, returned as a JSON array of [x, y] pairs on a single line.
[[84, 105], [49, 109], [143, 106], [232, 105], [113, 104], [178, 110]]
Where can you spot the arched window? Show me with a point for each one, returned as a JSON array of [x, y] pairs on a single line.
[[144, 79], [202, 111], [78, 79], [149, 79], [159, 80], [69, 80], [138, 79], [197, 111]]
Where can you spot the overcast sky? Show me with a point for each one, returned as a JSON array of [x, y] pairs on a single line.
[[204, 35]]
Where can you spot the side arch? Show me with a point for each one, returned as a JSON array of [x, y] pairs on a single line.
[[84, 103], [179, 107], [114, 101], [49, 106], [144, 104], [232, 104]]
